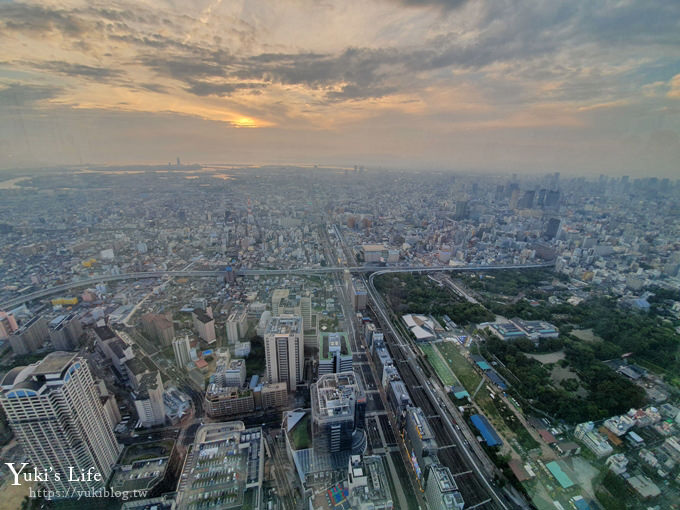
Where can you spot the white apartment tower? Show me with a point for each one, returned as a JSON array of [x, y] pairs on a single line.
[[306, 312], [55, 412], [149, 400], [182, 350], [284, 350]]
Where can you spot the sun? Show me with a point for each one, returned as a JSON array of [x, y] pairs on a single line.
[[244, 122]]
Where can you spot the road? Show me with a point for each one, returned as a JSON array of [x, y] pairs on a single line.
[[91, 281]]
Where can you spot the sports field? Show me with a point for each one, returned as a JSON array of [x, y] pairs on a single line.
[[439, 365], [463, 369]]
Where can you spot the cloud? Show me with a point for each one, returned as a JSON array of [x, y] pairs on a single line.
[[15, 95], [152, 87], [100, 74], [445, 4], [355, 93], [204, 88], [674, 91], [28, 18], [436, 65]]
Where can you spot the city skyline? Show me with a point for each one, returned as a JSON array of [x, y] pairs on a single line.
[[575, 87]]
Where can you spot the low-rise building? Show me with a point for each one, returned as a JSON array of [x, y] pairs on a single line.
[[593, 440]]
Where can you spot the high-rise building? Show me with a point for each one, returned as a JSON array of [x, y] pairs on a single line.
[[527, 200], [223, 401], [306, 312], [552, 228], [8, 325], [109, 403], [368, 488], [335, 353], [30, 336], [237, 326], [65, 332], [149, 400], [338, 413], [462, 210], [204, 325], [182, 350], [262, 322], [420, 441], [230, 372], [273, 396], [277, 296], [552, 199], [359, 295], [441, 491], [158, 327], [540, 198], [54, 409], [284, 350]]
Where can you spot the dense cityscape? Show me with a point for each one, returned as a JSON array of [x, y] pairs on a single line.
[[184, 336]]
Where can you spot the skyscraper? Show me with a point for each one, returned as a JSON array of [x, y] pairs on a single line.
[[306, 312], [65, 331], [149, 400], [338, 413], [552, 199], [527, 201], [30, 336], [462, 210], [277, 296], [284, 350], [552, 228], [441, 491], [182, 351], [55, 412]]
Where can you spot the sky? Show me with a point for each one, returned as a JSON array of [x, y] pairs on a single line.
[[535, 86]]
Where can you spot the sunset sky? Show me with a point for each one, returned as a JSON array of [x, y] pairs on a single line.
[[524, 86]]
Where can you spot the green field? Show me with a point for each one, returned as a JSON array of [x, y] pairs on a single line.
[[460, 366], [439, 365]]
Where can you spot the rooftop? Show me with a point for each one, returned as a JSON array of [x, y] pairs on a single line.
[[377, 488], [225, 461], [332, 342], [202, 316], [284, 325], [334, 395], [54, 363]]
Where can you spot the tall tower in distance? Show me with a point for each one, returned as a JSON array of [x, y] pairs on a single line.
[[54, 410], [284, 350]]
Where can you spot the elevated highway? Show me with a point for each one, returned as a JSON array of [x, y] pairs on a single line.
[[310, 271]]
